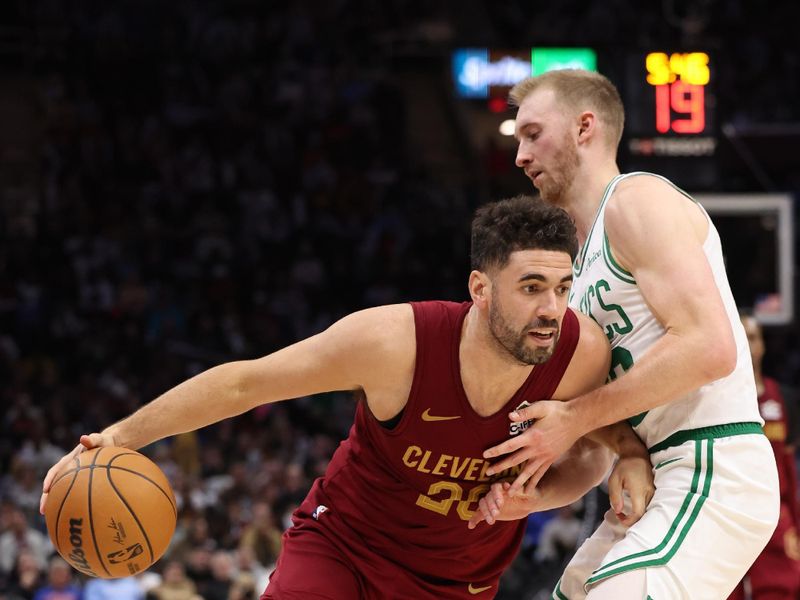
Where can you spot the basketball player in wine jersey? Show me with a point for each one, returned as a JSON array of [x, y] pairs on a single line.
[[388, 520], [650, 271]]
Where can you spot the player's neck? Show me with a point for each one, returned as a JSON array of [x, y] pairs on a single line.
[[585, 194], [490, 377]]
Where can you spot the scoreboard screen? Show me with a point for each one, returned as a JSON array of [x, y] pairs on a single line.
[[670, 96], [679, 81], [670, 123], [481, 73], [668, 93]]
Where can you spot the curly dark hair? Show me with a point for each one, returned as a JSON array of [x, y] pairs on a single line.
[[519, 223]]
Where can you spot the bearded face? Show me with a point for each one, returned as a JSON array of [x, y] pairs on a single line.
[[522, 341], [558, 176]]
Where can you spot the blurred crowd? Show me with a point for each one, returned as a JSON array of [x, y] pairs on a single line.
[[215, 180]]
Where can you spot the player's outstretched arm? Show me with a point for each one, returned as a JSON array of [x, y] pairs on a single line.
[[352, 353]]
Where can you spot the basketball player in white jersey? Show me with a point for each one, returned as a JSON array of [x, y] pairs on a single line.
[[650, 272]]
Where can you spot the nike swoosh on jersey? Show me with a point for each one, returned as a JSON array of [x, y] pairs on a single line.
[[427, 416], [477, 590]]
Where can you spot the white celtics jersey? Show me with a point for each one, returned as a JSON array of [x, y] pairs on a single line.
[[609, 294]]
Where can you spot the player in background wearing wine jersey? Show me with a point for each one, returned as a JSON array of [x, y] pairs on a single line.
[[776, 573], [651, 272], [388, 518]]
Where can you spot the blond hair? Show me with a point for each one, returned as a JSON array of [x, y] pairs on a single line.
[[579, 90]]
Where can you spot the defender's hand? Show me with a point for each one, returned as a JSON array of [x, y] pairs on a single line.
[[634, 475], [551, 433], [87, 442]]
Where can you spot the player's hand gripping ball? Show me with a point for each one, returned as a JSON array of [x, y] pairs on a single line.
[[111, 513]]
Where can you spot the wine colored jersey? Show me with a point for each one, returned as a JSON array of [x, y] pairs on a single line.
[[402, 496], [773, 410], [776, 571]]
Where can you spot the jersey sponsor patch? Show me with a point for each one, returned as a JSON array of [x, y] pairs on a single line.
[[318, 512]]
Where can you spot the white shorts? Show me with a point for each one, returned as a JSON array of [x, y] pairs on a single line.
[[715, 507]]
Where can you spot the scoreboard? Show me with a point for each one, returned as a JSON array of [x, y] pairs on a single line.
[[670, 110], [669, 104], [671, 128], [669, 98], [679, 81]]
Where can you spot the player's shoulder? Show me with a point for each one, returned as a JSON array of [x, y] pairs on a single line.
[[379, 340], [633, 184], [379, 322], [642, 194], [592, 341], [590, 362]]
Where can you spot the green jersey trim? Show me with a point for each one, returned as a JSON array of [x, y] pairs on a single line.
[[707, 433], [685, 519], [578, 268], [616, 269], [557, 593]]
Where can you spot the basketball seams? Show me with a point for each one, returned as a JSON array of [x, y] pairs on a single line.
[[91, 515], [64, 500], [96, 497], [133, 514], [111, 465], [63, 474]]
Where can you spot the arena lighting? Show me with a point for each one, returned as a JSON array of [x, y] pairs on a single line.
[[498, 104], [484, 72], [507, 127]]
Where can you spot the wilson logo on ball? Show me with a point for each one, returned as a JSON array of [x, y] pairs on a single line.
[[77, 556]]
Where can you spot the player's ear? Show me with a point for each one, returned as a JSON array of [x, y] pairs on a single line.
[[479, 283], [587, 124]]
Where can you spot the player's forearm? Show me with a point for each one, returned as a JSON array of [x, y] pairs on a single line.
[[674, 366], [211, 396], [620, 439], [581, 469]]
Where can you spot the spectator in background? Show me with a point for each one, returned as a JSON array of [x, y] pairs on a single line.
[[60, 583], [18, 536], [247, 564], [175, 585], [23, 486], [222, 577], [262, 537], [25, 578], [195, 538], [243, 588], [126, 588], [775, 575], [198, 568], [559, 536], [37, 450]]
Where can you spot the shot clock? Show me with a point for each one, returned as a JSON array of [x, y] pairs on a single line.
[[670, 109], [679, 80]]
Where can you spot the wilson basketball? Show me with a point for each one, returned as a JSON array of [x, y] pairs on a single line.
[[111, 513]]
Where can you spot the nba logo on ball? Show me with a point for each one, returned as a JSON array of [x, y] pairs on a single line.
[[111, 513]]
